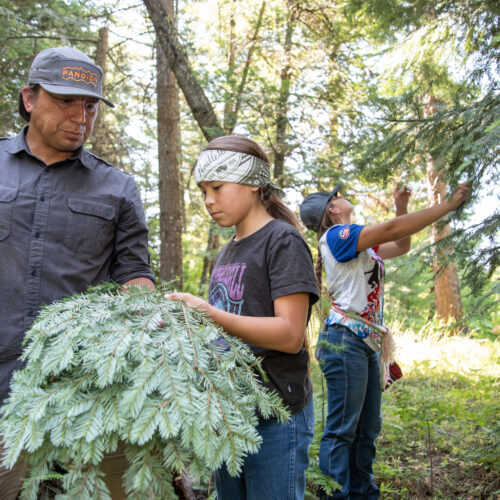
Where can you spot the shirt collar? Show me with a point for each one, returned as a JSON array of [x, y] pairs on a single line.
[[18, 144]]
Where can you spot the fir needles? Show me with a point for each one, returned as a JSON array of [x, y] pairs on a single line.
[[107, 366]]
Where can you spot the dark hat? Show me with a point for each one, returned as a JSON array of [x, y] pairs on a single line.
[[313, 207], [67, 71]]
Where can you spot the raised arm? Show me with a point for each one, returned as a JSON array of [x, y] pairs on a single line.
[[402, 246], [283, 332], [401, 227]]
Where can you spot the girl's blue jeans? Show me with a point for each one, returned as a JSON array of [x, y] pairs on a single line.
[[277, 471], [354, 420]]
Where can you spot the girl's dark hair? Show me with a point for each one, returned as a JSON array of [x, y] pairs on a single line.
[[272, 203], [22, 110], [324, 224], [238, 144]]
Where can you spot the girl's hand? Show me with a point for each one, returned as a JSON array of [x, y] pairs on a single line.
[[462, 193], [401, 198], [190, 300]]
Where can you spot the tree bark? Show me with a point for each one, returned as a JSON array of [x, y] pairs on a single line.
[[203, 112], [232, 104], [229, 117], [168, 38], [213, 244], [447, 296], [170, 182], [183, 486], [99, 136], [281, 148]]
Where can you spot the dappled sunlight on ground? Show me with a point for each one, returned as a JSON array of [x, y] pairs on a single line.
[[452, 354]]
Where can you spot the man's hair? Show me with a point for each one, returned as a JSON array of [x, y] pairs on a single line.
[[22, 110]]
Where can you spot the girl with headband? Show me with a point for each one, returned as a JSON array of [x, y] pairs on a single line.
[[261, 290], [348, 348]]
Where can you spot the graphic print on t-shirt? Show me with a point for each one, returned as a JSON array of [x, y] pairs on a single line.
[[374, 277], [226, 287], [373, 311]]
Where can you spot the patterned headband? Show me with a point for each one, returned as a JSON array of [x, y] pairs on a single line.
[[229, 166]]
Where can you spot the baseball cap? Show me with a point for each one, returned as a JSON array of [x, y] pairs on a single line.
[[67, 71], [313, 207]]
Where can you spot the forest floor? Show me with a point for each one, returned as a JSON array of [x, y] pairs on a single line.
[[441, 422], [440, 437]]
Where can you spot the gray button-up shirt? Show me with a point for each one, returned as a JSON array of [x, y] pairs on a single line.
[[63, 227]]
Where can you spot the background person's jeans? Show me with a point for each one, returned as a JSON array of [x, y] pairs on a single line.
[[278, 470], [347, 450]]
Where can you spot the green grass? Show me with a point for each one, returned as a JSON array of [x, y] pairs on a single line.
[[441, 430]]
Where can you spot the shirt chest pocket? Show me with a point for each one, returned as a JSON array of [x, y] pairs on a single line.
[[90, 226], [7, 199]]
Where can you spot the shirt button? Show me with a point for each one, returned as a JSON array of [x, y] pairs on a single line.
[[42, 198], [37, 235], [33, 272]]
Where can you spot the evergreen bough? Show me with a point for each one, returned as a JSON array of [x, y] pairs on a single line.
[[109, 366]]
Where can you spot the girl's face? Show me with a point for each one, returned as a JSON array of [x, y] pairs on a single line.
[[340, 210], [228, 203]]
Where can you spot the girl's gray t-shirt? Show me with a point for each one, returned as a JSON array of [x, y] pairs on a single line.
[[248, 275]]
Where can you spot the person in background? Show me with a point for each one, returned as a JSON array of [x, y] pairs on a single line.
[[261, 290], [354, 333], [67, 218]]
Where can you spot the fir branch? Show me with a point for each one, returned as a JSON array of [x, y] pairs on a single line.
[[109, 366]]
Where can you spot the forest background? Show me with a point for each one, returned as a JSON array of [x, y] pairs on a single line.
[[366, 93]]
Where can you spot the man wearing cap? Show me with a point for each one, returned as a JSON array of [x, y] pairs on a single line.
[[67, 218]]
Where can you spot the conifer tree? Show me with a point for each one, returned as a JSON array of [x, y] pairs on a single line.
[[445, 54], [26, 28]]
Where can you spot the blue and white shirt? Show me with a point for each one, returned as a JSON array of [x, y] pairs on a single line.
[[355, 282]]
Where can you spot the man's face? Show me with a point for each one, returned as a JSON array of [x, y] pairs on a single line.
[[59, 123]]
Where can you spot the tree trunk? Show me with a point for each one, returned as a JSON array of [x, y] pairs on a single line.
[[170, 183], [203, 112], [183, 486], [99, 139], [446, 286], [232, 103], [213, 244], [281, 148], [167, 37], [229, 117]]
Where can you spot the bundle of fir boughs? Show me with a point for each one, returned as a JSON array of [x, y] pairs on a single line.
[[109, 366]]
